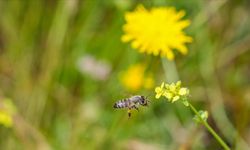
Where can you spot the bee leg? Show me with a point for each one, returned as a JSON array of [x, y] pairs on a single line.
[[129, 113], [135, 107]]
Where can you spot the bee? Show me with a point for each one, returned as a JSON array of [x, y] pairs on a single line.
[[132, 103]]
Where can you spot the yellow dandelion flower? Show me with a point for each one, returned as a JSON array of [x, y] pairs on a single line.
[[132, 79], [149, 82], [135, 78], [157, 31]]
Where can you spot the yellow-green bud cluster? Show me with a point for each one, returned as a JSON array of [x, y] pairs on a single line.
[[202, 115]]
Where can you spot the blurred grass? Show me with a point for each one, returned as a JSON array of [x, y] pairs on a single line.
[[60, 108]]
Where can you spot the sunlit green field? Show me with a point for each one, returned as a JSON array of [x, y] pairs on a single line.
[[65, 63]]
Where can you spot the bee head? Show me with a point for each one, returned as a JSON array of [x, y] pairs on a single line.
[[144, 101]]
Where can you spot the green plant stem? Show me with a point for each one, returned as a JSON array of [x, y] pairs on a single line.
[[209, 128]]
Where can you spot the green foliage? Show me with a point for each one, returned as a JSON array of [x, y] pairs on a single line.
[[61, 107]]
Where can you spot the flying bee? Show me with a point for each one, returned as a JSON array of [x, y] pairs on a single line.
[[132, 103]]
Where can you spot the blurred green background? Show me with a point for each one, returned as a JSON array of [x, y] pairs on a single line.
[[47, 46]]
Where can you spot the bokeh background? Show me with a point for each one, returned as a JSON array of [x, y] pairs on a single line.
[[61, 64]]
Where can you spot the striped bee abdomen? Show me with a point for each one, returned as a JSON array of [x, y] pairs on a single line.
[[122, 103]]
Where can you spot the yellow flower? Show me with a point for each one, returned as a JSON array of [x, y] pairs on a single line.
[[159, 91], [172, 92], [134, 78], [7, 110], [148, 82], [157, 31], [183, 91], [5, 119]]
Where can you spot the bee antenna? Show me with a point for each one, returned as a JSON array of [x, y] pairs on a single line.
[[148, 96]]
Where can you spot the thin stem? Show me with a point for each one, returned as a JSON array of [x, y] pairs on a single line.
[[209, 128], [171, 76]]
